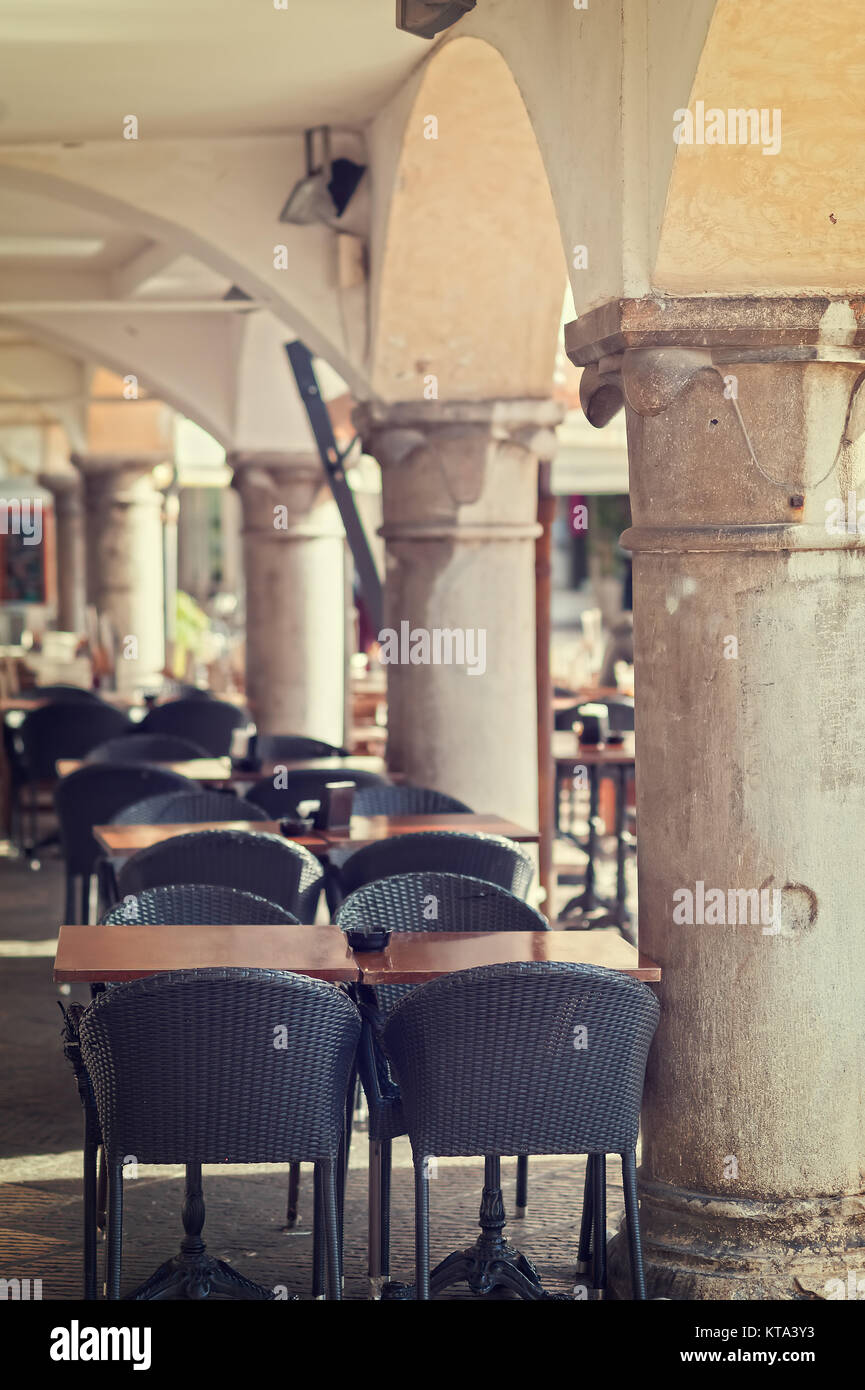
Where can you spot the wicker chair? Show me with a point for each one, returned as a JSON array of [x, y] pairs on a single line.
[[184, 1069], [146, 748], [207, 722], [181, 808], [64, 729], [534, 1057], [297, 786], [191, 904], [490, 857], [93, 796], [280, 870], [403, 903], [388, 800], [276, 748]]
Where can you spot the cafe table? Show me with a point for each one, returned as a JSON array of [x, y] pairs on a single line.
[[221, 771], [120, 841], [615, 760], [119, 952], [365, 830]]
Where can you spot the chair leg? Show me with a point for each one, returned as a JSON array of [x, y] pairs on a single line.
[[330, 1204], [374, 1218], [599, 1223], [584, 1254], [114, 1241], [319, 1244], [632, 1217], [85, 899], [69, 904], [293, 1195], [102, 1191], [91, 1141], [386, 1154], [522, 1184], [421, 1229]]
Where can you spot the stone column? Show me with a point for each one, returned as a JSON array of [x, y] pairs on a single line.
[[295, 601], [124, 561], [459, 486], [744, 423], [68, 492]]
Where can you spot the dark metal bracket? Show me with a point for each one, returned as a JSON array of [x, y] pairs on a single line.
[[332, 461]]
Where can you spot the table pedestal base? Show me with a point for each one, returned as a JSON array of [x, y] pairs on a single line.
[[192, 1273], [491, 1263]]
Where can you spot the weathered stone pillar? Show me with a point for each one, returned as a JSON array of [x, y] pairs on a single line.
[[124, 561], [744, 422], [68, 491], [294, 562], [459, 486]]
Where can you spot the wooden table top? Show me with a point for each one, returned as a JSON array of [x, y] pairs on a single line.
[[353, 763], [91, 953], [197, 769], [366, 829], [411, 958], [123, 840], [131, 952], [568, 749]]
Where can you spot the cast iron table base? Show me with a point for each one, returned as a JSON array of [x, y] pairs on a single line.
[[491, 1263]]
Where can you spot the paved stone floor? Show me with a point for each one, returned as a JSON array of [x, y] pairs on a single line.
[[40, 1130]]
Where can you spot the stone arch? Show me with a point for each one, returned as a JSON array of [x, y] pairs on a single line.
[[737, 221], [470, 276]]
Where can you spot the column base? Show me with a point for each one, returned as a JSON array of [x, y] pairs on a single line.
[[703, 1247]]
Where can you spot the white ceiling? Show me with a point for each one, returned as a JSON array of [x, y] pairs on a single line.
[[70, 70]]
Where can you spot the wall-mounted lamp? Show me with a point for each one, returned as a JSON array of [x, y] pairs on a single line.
[[326, 189]]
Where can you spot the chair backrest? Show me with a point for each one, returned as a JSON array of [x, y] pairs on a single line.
[[146, 748], [181, 808], [432, 902], [208, 722], [489, 857], [93, 795], [620, 713], [59, 693], [213, 1066], [391, 800], [68, 729], [281, 795], [539, 1057], [194, 904], [274, 748], [253, 861]]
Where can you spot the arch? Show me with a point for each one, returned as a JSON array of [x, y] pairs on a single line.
[[469, 239], [224, 197], [737, 221]]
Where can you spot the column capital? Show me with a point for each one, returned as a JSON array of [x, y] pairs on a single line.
[[285, 495], [460, 470], [102, 465]]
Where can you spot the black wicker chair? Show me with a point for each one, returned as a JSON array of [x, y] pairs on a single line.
[[286, 748], [184, 1068], [146, 748], [59, 693], [190, 904], [181, 808], [282, 795], [490, 857], [390, 800], [93, 796], [207, 722], [572, 1084], [415, 902], [63, 729], [278, 869]]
